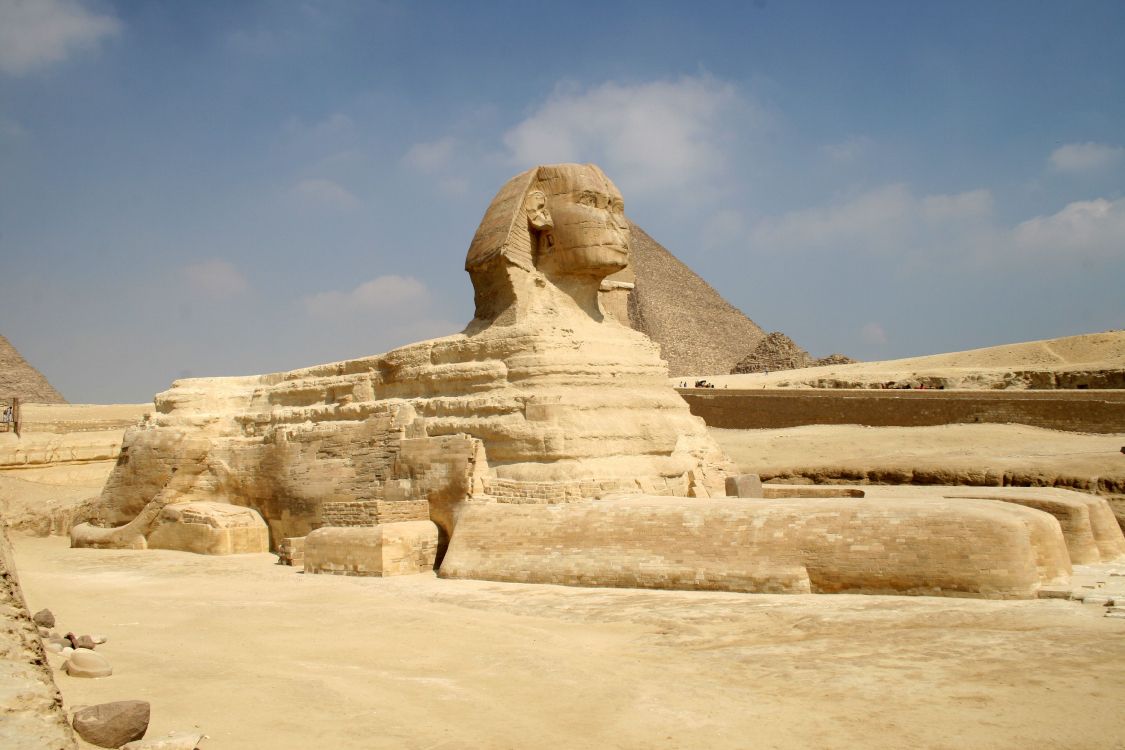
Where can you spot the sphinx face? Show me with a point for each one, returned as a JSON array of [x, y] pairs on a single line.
[[589, 235]]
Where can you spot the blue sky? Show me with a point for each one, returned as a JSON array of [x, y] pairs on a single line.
[[213, 188]]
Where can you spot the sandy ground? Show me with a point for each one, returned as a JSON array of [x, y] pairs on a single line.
[[974, 368], [954, 448], [259, 655]]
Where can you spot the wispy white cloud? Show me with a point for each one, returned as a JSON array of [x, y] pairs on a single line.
[[324, 194], [431, 155], [650, 136], [891, 221], [381, 294], [1085, 157], [35, 34], [888, 219], [1088, 229], [215, 278]]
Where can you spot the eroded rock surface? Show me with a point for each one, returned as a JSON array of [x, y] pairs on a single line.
[[542, 398], [31, 712]]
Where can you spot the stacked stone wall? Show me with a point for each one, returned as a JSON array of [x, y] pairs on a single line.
[[1076, 411], [373, 512]]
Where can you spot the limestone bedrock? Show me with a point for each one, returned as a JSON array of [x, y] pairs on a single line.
[[531, 424], [542, 398]]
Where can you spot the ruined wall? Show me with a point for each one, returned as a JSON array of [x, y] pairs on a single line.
[[31, 708], [1077, 411], [962, 547]]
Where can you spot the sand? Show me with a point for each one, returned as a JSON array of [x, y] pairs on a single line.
[[955, 448], [975, 368], [259, 655]]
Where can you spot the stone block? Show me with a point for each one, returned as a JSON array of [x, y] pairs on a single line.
[[745, 485], [210, 528], [389, 549], [828, 545]]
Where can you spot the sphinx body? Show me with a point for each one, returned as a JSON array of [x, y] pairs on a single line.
[[542, 398], [541, 444]]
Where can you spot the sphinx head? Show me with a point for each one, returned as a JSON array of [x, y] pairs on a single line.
[[565, 222]]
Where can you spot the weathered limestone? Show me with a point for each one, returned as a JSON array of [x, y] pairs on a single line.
[[31, 710], [388, 549], [543, 443], [745, 485], [1087, 524], [543, 398], [851, 545]]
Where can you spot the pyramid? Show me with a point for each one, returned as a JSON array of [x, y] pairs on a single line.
[[18, 379], [698, 331]]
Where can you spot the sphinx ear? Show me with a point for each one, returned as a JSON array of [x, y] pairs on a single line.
[[535, 206]]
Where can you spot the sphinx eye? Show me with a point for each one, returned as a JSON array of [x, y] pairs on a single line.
[[618, 207], [588, 199]]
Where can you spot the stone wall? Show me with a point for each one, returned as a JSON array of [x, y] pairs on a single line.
[[1077, 411], [31, 707], [962, 547], [373, 512], [55, 435]]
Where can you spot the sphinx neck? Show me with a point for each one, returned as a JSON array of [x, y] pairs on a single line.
[[584, 291]]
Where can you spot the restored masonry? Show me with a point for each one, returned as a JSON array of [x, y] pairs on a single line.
[[1075, 411]]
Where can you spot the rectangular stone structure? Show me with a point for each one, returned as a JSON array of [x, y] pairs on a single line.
[[389, 549]]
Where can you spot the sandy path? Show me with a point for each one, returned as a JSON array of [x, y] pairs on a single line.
[[975, 368], [258, 655]]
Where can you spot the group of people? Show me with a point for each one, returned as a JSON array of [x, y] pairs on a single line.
[[907, 386], [7, 418], [698, 384]]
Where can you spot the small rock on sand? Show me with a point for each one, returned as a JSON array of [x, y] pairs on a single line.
[[44, 618], [112, 724], [86, 663]]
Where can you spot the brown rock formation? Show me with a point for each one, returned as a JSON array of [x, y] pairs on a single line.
[[779, 352]]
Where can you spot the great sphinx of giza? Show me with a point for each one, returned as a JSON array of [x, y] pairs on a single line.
[[543, 443], [541, 397]]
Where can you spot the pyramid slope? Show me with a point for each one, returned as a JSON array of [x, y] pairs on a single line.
[[698, 330], [18, 379]]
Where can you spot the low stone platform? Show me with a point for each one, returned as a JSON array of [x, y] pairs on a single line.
[[938, 546]]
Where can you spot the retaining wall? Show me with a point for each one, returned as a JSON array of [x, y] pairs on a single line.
[[1076, 411]]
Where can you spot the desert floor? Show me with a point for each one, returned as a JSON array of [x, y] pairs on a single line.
[[955, 448], [261, 656]]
